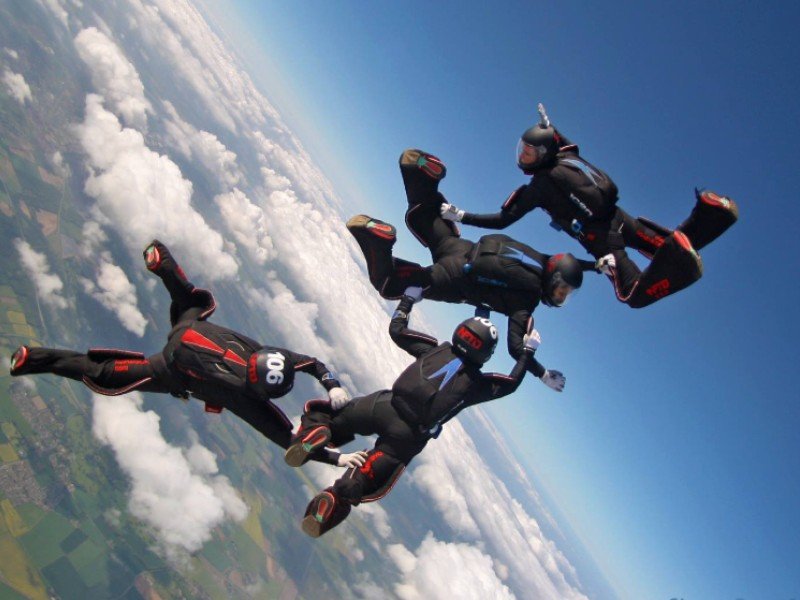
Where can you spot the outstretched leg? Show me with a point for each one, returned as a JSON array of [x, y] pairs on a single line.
[[188, 301], [675, 266], [109, 372], [674, 263], [389, 275], [422, 173]]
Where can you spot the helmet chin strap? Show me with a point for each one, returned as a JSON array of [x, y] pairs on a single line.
[[544, 121]]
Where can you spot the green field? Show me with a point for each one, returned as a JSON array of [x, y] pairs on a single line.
[[42, 542]]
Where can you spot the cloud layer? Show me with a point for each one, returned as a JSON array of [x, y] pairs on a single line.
[[142, 194], [178, 492], [49, 286], [114, 76], [426, 576], [114, 290], [17, 86]]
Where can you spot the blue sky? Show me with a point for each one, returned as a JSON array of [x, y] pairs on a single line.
[[674, 450]]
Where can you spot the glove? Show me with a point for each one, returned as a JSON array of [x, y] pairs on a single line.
[[413, 292], [338, 398], [606, 264], [554, 380], [532, 340], [352, 460], [450, 212]]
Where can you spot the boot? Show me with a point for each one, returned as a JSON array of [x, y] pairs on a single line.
[[324, 512], [305, 442], [710, 218], [365, 225]]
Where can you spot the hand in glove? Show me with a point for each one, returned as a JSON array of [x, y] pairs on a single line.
[[606, 264], [554, 380], [352, 460], [338, 398], [413, 292], [532, 340], [450, 212]]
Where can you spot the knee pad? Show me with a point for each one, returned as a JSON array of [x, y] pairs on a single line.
[[372, 481]]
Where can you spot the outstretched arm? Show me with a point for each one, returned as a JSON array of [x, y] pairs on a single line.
[[314, 367], [497, 385], [413, 342], [518, 204], [523, 340], [519, 325]]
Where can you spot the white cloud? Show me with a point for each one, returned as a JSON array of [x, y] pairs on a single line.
[[495, 518], [323, 285], [379, 517], [57, 9], [92, 238], [114, 291], [48, 285], [12, 53], [59, 166], [294, 320], [177, 492], [185, 52], [143, 195], [447, 494], [204, 146], [17, 86], [246, 222], [442, 570], [274, 180], [114, 76]]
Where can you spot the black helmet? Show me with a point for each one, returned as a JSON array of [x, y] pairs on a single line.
[[475, 340], [269, 373], [536, 148], [563, 275], [538, 145]]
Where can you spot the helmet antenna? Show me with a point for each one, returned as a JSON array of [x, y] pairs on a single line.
[[544, 121]]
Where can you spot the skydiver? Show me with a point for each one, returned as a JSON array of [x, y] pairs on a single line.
[[443, 380], [218, 366], [496, 273], [581, 201]]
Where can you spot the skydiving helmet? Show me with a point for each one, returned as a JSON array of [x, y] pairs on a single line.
[[270, 373], [475, 340], [562, 276], [538, 145]]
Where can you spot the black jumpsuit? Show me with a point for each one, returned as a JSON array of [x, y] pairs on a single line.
[[512, 286], [200, 358], [581, 201], [428, 393]]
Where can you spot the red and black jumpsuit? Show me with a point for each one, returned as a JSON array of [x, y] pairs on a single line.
[[581, 200], [454, 276], [205, 360], [432, 390]]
